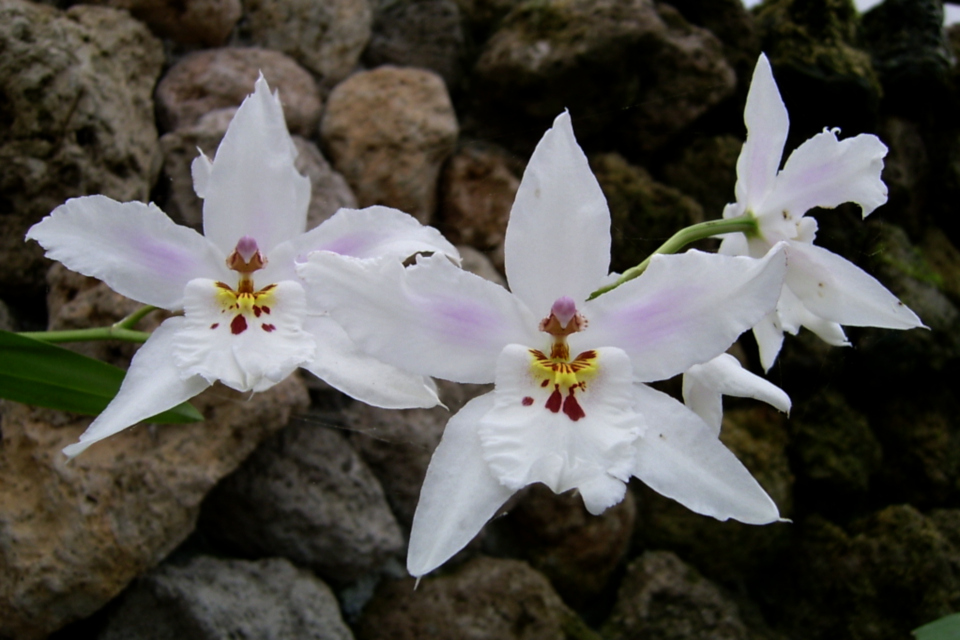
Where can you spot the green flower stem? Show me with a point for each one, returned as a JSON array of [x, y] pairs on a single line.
[[131, 320], [121, 330], [746, 224]]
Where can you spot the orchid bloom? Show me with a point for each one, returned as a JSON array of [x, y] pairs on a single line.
[[570, 407], [246, 319], [822, 291]]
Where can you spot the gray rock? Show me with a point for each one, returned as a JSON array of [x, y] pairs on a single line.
[[388, 131], [306, 495], [329, 191], [207, 23], [215, 599], [76, 118], [325, 37], [219, 78]]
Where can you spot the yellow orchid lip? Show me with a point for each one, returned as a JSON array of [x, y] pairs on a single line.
[[245, 304], [566, 376]]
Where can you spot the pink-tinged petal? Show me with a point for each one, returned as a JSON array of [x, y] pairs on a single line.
[[704, 386], [680, 457], [133, 247], [527, 438], [684, 310], [767, 124], [431, 318], [558, 237], [342, 365], [836, 290], [362, 233], [152, 385], [769, 336], [459, 494], [253, 188], [246, 349], [826, 172]]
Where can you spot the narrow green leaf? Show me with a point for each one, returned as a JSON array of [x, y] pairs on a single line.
[[946, 628], [34, 372]]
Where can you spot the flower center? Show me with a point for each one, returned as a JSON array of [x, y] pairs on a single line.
[[566, 376], [246, 304]]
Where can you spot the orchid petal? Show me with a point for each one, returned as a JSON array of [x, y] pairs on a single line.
[[767, 124], [431, 318], [245, 351], [734, 244], [680, 457], [705, 384], [152, 385], [362, 233], [253, 188], [769, 336], [525, 442], [826, 172], [684, 310], [342, 365], [836, 290], [459, 494], [133, 247], [558, 237]]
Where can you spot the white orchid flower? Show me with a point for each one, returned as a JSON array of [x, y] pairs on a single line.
[[570, 408], [246, 320], [822, 291]]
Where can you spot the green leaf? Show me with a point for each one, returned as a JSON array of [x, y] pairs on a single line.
[[946, 628], [34, 372]]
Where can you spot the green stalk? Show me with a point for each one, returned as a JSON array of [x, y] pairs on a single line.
[[746, 224], [121, 330]]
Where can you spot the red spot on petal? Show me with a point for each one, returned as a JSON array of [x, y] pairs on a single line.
[[266, 309], [554, 401], [215, 325], [257, 311], [572, 408], [527, 401], [544, 383], [238, 325], [268, 327]]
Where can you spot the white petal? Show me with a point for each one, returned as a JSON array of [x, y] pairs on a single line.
[[767, 124], [362, 233], [152, 385], [525, 442], [558, 236], [826, 172], [431, 318], [705, 384], [836, 290], [459, 494], [245, 351], [200, 170], [734, 244], [769, 336], [253, 188], [133, 247], [794, 315], [680, 457], [341, 364], [684, 310]]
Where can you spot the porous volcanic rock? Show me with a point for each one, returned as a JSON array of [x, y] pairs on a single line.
[[206, 23]]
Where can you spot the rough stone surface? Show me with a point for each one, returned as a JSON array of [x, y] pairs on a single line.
[[305, 495], [606, 58], [388, 131], [219, 78], [707, 172], [732, 23], [76, 118], [661, 597], [486, 599], [325, 37], [206, 23], [72, 536], [210, 599], [329, 190]]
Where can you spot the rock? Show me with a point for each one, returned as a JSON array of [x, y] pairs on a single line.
[[487, 598], [419, 33], [206, 23], [388, 131], [576, 551], [72, 536], [325, 37], [305, 495], [707, 172], [661, 597], [219, 78], [211, 598], [906, 172], [76, 117], [732, 23], [644, 213], [7, 322], [639, 69], [329, 190]]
